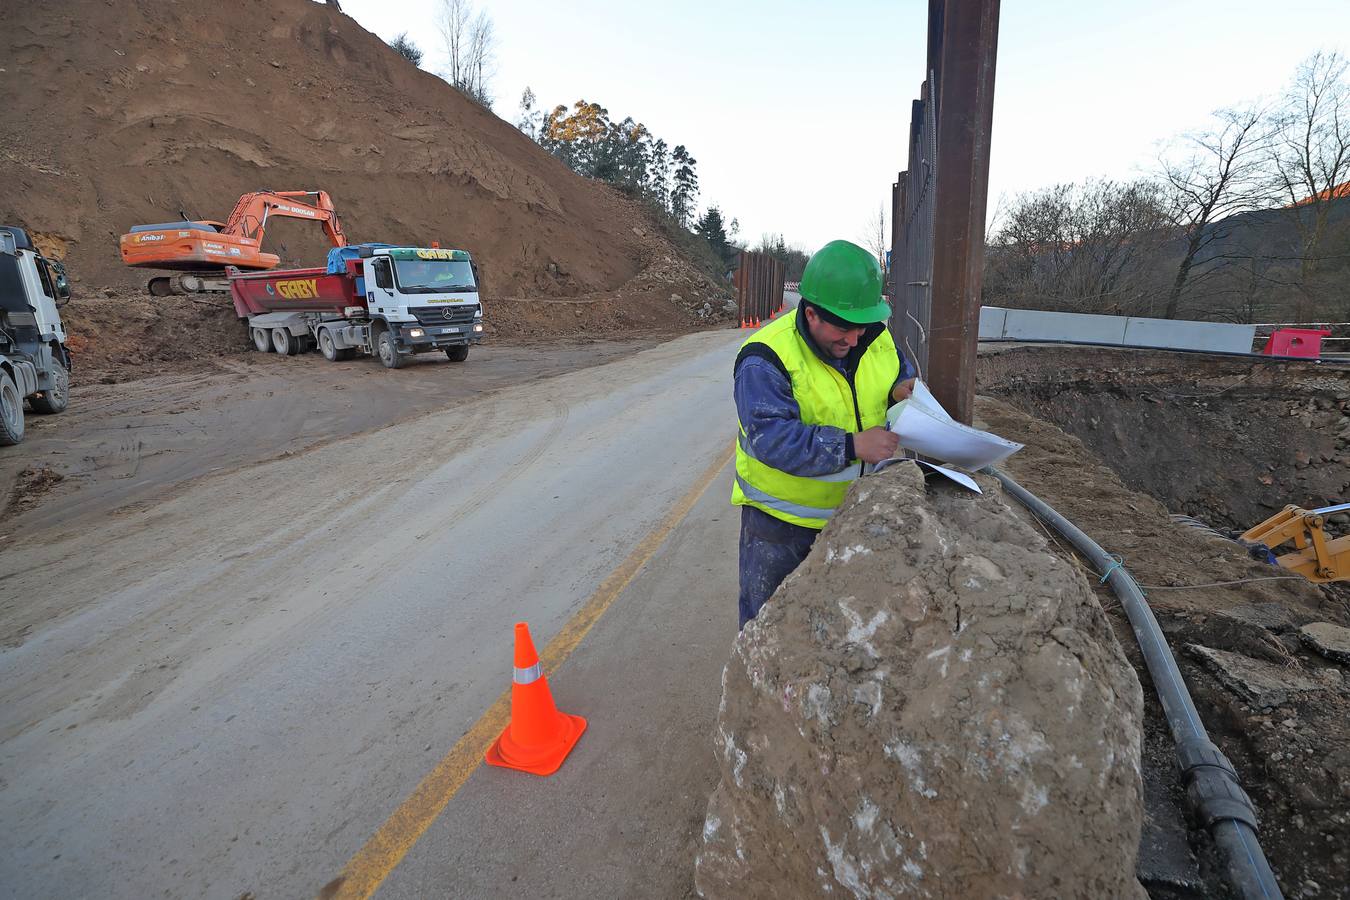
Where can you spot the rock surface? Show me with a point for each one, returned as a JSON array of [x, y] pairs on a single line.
[[933, 705], [1332, 641], [1261, 683]]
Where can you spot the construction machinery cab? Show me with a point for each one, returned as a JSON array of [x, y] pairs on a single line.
[[34, 360]]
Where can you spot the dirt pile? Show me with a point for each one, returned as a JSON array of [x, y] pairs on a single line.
[[1272, 701], [118, 336], [932, 705], [123, 113]]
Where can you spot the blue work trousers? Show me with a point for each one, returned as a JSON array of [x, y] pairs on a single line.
[[770, 550]]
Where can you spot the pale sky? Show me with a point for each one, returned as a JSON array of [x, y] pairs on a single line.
[[798, 112]]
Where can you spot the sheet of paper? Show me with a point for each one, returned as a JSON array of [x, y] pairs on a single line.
[[960, 478], [924, 397], [927, 429]]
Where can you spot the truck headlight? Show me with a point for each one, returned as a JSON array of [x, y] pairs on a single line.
[[478, 328], [416, 332]]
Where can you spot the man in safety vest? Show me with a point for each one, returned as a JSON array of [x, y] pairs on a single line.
[[812, 392]]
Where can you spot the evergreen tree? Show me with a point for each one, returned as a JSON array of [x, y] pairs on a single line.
[[407, 49], [712, 229], [577, 137], [684, 192], [531, 120], [658, 175]]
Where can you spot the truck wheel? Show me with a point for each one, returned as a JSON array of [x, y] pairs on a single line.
[[11, 412], [58, 398], [387, 350], [327, 346], [284, 342], [334, 354], [457, 354], [262, 340]]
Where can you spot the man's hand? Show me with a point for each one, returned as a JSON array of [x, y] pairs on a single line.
[[902, 390], [875, 444]]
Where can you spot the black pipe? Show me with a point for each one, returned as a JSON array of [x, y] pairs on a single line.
[[1212, 788]]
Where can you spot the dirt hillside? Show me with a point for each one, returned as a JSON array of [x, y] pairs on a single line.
[[119, 113]]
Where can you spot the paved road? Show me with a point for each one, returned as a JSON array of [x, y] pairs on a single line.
[[231, 691]]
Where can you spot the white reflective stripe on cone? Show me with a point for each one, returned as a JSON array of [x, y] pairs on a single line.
[[528, 676], [796, 509], [848, 473]]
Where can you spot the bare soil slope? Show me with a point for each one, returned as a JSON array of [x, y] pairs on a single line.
[[123, 113]]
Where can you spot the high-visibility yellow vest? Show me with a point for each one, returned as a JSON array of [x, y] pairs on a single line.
[[825, 398]]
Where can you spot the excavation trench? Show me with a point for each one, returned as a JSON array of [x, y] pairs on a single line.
[[1226, 441]]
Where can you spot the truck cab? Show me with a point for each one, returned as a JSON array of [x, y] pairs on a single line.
[[426, 298], [34, 360]]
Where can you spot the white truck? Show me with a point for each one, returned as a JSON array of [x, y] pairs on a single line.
[[387, 301], [34, 360]]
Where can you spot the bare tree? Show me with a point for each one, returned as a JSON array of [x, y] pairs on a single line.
[[482, 58], [877, 238], [470, 48], [1311, 152], [1079, 248], [1217, 173]]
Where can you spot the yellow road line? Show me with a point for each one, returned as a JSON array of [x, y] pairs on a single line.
[[367, 870]]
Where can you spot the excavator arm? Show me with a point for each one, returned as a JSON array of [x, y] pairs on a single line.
[[201, 249], [1315, 556], [250, 214]]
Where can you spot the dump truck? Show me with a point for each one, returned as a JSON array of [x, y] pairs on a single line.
[[34, 359], [388, 301]]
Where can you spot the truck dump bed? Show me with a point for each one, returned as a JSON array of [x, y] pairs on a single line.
[[293, 290]]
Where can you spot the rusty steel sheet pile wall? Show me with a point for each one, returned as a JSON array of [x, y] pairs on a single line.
[[759, 281], [938, 202]]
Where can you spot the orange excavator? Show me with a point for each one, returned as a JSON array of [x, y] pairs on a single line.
[[200, 250]]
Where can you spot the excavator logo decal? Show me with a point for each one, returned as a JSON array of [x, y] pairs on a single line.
[[302, 289]]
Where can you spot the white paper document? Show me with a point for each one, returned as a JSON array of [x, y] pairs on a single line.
[[960, 478], [928, 430]]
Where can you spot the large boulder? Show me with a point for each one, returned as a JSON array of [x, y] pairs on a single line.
[[932, 705]]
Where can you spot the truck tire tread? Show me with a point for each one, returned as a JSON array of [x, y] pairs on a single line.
[[54, 401], [11, 412], [387, 350]]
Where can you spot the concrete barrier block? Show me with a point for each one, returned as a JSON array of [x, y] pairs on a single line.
[[992, 319], [1219, 337], [1036, 325]]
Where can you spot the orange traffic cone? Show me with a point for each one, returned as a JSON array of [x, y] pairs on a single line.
[[539, 737]]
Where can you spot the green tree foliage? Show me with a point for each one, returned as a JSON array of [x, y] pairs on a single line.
[[684, 187], [712, 229], [621, 152], [531, 119], [658, 174], [407, 49]]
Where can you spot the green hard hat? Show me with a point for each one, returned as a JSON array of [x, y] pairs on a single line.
[[845, 279]]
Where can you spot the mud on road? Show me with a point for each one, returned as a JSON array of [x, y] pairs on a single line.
[[125, 444]]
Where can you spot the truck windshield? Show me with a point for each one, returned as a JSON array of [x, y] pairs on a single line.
[[434, 276]]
